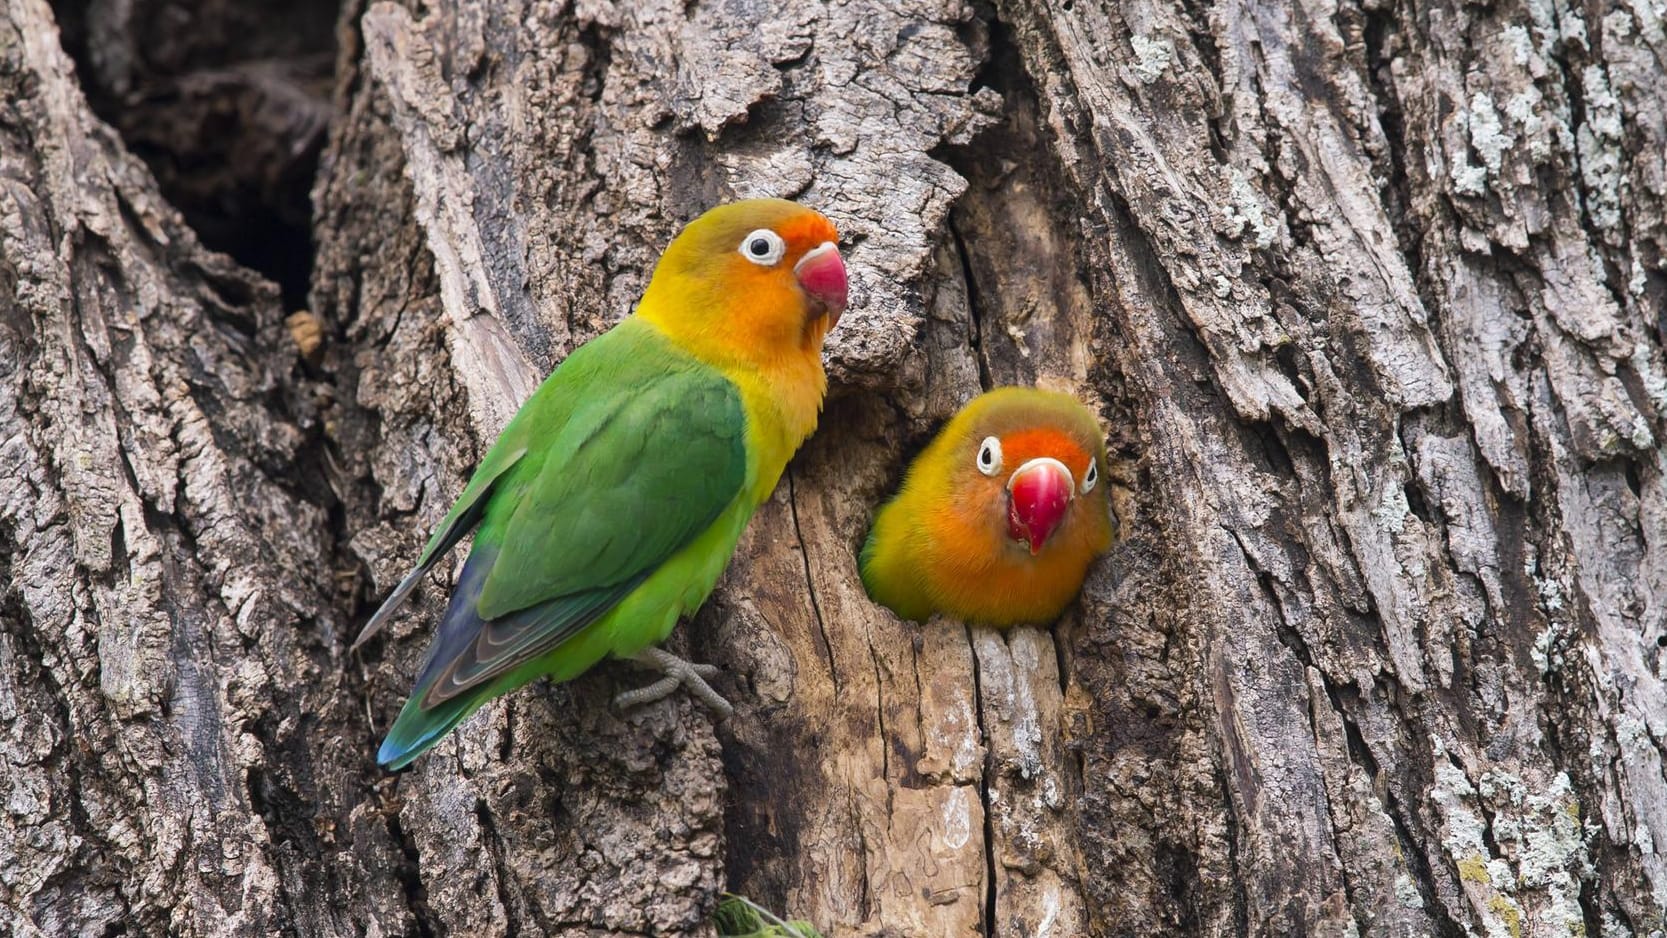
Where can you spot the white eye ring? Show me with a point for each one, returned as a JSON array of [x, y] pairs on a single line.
[[989, 456], [1091, 477], [763, 247]]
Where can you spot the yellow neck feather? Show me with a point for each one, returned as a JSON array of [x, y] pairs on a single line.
[[772, 355]]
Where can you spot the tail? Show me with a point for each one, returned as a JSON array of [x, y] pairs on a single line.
[[474, 660], [391, 605], [417, 729]]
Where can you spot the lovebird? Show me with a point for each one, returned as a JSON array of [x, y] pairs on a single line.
[[998, 518], [614, 498]]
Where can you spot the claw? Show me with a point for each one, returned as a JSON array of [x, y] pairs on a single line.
[[679, 673]]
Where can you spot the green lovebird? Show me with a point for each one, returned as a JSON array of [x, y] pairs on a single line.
[[612, 501]]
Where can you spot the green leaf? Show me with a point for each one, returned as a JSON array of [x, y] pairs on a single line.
[[740, 917]]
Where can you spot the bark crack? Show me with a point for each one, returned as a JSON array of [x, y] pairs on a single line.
[[823, 644], [975, 312], [1230, 820], [1574, 88], [988, 922], [880, 717], [410, 872], [1358, 752], [493, 844], [1378, 31]]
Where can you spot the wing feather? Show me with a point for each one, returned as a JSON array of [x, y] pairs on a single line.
[[648, 456], [460, 520]]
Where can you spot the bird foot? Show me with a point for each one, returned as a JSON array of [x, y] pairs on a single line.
[[678, 673]]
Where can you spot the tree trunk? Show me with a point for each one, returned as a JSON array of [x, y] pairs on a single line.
[[1371, 299]]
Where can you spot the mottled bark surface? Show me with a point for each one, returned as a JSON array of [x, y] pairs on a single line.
[[176, 740], [1371, 299]]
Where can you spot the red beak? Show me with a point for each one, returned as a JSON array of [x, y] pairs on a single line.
[[1038, 494], [821, 275]]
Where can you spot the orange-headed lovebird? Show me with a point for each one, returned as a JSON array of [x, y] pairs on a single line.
[[613, 499], [999, 518]]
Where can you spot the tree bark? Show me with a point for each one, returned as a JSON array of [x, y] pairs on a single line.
[[1371, 298], [170, 675]]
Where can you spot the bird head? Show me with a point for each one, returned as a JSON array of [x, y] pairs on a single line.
[[760, 275], [1034, 460]]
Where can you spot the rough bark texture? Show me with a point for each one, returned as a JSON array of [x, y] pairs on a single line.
[[1371, 298], [170, 678]]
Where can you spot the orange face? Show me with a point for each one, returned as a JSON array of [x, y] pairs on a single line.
[[1041, 472], [763, 275]]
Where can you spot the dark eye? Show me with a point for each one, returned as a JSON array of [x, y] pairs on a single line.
[[1091, 477], [763, 247], [989, 456]]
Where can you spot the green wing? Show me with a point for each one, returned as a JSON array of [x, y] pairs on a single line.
[[632, 450], [641, 473]]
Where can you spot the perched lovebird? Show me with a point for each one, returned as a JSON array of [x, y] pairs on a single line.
[[612, 501], [999, 518]]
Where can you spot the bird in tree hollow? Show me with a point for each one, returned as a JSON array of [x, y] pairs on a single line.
[[999, 518], [614, 498]]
